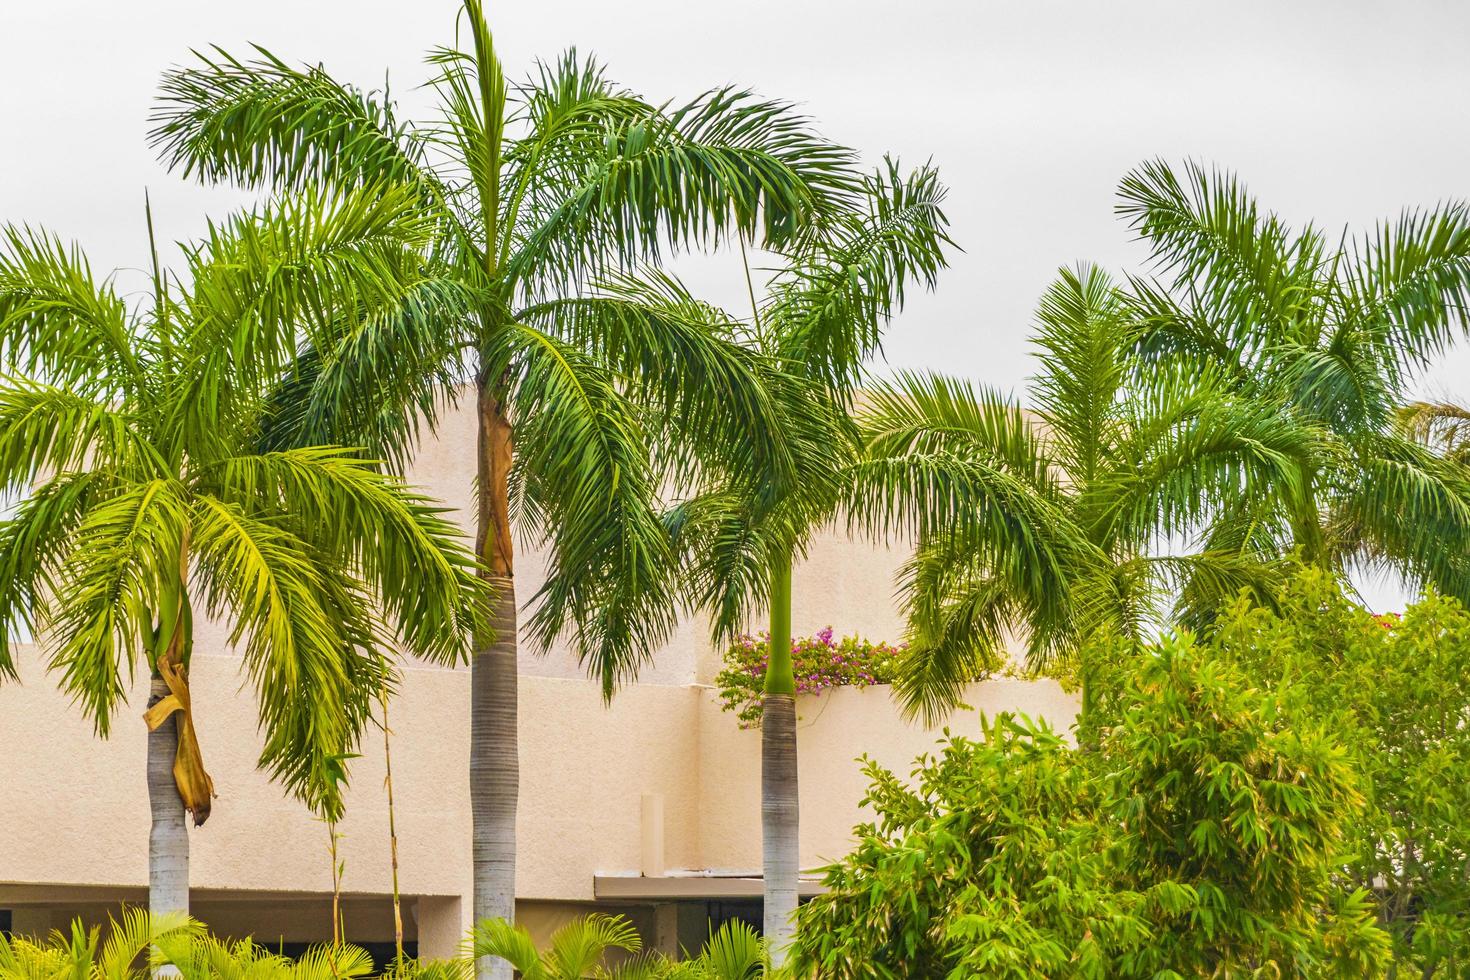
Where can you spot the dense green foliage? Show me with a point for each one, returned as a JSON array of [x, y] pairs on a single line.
[[1396, 693], [580, 950], [136, 942], [1199, 837], [1044, 520], [1241, 398], [548, 199], [819, 663], [131, 433]]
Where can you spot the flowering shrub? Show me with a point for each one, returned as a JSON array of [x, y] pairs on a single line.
[[820, 662]]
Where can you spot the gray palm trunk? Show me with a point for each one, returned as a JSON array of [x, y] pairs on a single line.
[[495, 773], [168, 837], [779, 822], [494, 749]]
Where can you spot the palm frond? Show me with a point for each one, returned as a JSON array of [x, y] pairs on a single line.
[[120, 558], [1443, 426], [1409, 281], [583, 465], [959, 618], [380, 379], [400, 544], [267, 281], [577, 948], [726, 164], [32, 543], [268, 124], [313, 656], [513, 944], [707, 394], [46, 430], [848, 277], [1207, 232], [59, 322]]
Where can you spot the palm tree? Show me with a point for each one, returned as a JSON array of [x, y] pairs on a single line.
[[1329, 331], [1443, 426], [1051, 522], [538, 192], [130, 435], [749, 521]]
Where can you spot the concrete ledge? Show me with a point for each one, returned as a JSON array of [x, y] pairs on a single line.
[[689, 887]]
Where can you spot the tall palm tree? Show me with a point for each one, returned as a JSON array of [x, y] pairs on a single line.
[[130, 436], [1330, 331], [748, 521], [1051, 522], [538, 193]]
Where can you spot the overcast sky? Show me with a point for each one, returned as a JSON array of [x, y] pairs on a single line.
[[1337, 111]]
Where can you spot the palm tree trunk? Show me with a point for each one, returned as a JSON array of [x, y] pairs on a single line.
[[168, 837], [494, 754], [779, 802]]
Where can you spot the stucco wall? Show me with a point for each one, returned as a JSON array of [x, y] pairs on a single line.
[[75, 808]]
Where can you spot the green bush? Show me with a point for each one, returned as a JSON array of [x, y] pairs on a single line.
[[1199, 836], [1396, 691], [819, 662]]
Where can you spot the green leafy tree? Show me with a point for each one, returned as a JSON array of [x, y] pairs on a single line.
[[1396, 690], [1199, 837], [748, 520], [1330, 330], [545, 196], [130, 437], [1049, 522]]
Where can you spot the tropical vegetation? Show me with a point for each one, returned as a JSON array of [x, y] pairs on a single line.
[[544, 198], [1200, 835], [1264, 779], [1190, 430], [131, 437], [745, 521], [139, 945], [1396, 692]]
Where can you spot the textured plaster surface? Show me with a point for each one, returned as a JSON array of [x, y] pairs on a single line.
[[76, 814]]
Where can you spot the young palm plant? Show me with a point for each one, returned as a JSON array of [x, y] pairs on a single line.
[[749, 522], [130, 436], [579, 949], [1330, 332], [133, 942], [1106, 467], [538, 192], [192, 955]]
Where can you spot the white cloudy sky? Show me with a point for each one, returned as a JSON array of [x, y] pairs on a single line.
[[1341, 111]]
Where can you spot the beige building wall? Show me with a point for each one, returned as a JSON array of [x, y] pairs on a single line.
[[75, 813]]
